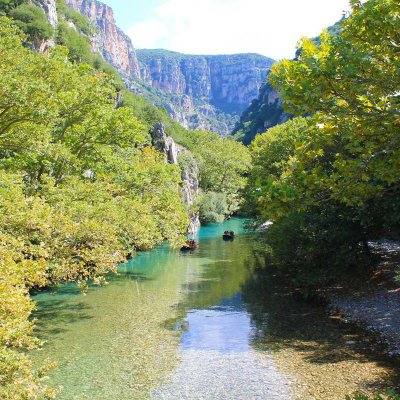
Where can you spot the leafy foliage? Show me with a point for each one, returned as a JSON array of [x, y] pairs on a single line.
[[222, 162], [350, 82], [77, 44], [7, 5], [80, 188], [328, 180], [213, 207], [270, 191], [33, 21]]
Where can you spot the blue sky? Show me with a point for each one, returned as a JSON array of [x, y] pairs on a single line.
[[130, 12], [268, 27]]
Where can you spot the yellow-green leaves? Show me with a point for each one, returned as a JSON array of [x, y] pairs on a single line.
[[350, 82], [275, 183], [223, 164], [80, 188]]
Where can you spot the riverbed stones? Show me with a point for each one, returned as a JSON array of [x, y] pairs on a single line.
[[215, 375]]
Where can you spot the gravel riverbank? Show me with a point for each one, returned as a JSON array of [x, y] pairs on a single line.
[[375, 307]]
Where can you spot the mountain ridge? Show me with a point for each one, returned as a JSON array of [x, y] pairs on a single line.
[[199, 91], [214, 89]]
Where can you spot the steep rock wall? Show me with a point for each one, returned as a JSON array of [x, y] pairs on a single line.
[[228, 82], [49, 7], [200, 92], [189, 173], [263, 113], [115, 46]]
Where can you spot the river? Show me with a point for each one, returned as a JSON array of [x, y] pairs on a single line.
[[200, 325]]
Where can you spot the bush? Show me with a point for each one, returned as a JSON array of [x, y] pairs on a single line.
[[33, 21], [317, 248], [7, 5], [391, 395], [78, 45], [80, 21], [213, 207]]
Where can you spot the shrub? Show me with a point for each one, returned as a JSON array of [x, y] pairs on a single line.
[[213, 207], [33, 21]]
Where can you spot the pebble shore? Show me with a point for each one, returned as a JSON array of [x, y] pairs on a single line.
[[376, 309]]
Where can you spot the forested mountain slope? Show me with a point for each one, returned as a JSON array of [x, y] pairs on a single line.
[[208, 92]]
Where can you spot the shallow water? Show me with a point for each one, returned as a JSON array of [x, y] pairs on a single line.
[[182, 326]]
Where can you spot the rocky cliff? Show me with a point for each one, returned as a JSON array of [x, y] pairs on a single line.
[[200, 92], [50, 8], [208, 92], [264, 112], [108, 40], [189, 172], [229, 82]]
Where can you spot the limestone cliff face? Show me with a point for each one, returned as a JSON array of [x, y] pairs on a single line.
[[115, 46], [216, 86], [264, 112], [49, 7], [189, 173], [200, 92]]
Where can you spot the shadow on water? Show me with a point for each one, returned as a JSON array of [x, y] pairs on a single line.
[[61, 314], [122, 340], [283, 322]]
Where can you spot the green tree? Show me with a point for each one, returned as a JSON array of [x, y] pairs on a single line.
[[80, 188], [7, 5], [77, 44], [350, 82], [213, 207], [223, 164], [270, 190], [33, 21], [330, 181]]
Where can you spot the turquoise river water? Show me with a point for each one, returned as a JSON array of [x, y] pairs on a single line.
[[174, 325]]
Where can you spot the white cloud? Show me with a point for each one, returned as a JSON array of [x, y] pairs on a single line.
[[269, 27]]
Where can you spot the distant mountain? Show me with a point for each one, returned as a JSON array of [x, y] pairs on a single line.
[[207, 92]]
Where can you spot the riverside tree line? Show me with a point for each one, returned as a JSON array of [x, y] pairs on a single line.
[[81, 186]]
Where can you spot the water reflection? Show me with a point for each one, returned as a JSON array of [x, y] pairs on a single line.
[[331, 358], [223, 328], [204, 325]]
